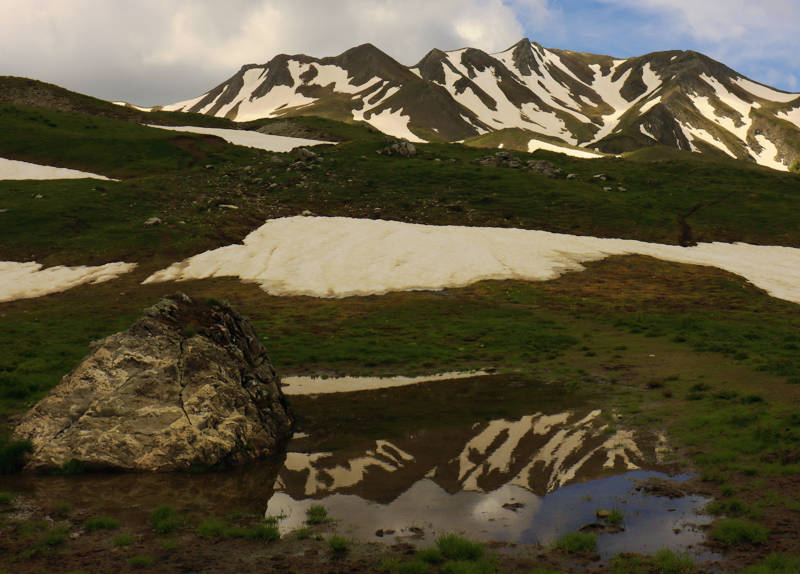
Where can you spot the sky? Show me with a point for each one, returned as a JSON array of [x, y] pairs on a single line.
[[150, 52]]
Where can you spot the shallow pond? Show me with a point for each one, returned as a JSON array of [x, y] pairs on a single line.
[[494, 457]]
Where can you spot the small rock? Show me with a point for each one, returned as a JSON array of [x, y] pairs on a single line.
[[620, 188], [600, 176], [607, 188], [209, 166], [572, 175], [153, 221], [227, 206], [38, 196], [307, 213], [603, 513], [513, 506]]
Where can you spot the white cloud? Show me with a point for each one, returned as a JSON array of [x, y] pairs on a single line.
[[116, 45], [733, 30]]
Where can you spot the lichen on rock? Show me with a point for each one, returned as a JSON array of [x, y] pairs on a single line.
[[189, 384]]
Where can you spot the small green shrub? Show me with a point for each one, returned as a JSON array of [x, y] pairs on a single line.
[[577, 542], [630, 564], [415, 566], [737, 531], [454, 547], [71, 468], [616, 517], [123, 540], [317, 514], [211, 528], [12, 454], [6, 497], [339, 545], [303, 533], [481, 566], [141, 561], [163, 519], [669, 562], [56, 535], [430, 555], [776, 564], [100, 523]]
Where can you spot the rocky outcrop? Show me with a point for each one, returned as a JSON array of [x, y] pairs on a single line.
[[189, 384]]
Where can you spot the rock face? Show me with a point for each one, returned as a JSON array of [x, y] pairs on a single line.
[[188, 384]]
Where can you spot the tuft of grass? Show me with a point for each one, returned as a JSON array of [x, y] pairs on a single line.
[[164, 519], [56, 535], [211, 528], [577, 542], [339, 545], [411, 567], [12, 454], [141, 561], [481, 566], [669, 562], [430, 555], [737, 531], [630, 564], [6, 497], [100, 523], [303, 533], [121, 540], [776, 564], [454, 547], [317, 514]]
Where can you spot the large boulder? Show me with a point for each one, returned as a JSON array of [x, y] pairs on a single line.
[[188, 384]]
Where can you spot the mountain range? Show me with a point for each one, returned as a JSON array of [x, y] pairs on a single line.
[[525, 98]]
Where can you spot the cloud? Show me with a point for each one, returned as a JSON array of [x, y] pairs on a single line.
[[737, 31], [78, 43]]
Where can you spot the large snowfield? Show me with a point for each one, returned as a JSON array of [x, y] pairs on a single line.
[[247, 138], [27, 280], [16, 170], [341, 257]]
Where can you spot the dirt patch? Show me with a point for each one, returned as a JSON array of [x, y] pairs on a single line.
[[192, 144]]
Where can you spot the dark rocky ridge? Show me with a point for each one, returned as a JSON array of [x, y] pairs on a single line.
[[187, 385]]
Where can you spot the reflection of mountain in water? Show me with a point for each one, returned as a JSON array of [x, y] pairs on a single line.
[[537, 452]]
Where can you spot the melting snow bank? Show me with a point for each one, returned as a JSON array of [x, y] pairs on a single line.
[[318, 385], [13, 169], [341, 257], [27, 280], [535, 144], [248, 138]]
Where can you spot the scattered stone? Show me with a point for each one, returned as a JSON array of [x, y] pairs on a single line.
[[273, 185], [607, 188], [306, 154], [189, 384], [153, 221], [572, 176], [507, 159], [662, 487], [306, 213], [600, 176], [209, 166], [3, 211], [38, 196], [513, 506], [228, 206], [402, 148], [620, 188], [603, 513]]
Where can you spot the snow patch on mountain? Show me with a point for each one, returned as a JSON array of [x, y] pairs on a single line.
[[792, 115], [27, 280], [394, 123], [764, 92], [769, 154], [342, 257], [248, 138], [11, 169], [535, 144], [699, 134]]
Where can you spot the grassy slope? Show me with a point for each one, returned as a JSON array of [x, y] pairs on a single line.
[[717, 335]]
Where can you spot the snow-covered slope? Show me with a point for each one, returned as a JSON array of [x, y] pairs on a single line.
[[679, 99]]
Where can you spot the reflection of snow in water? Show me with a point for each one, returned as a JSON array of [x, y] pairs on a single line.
[[651, 523], [538, 452], [341, 257]]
